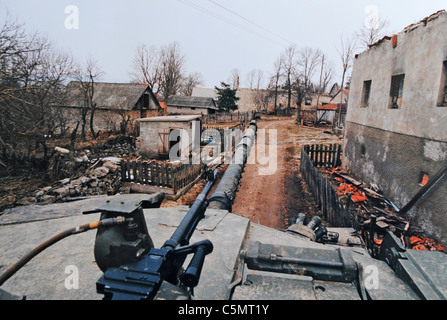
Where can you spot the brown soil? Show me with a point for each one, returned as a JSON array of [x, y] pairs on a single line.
[[276, 199]]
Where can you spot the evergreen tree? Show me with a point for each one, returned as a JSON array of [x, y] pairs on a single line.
[[227, 99]]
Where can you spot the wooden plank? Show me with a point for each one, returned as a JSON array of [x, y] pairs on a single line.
[[134, 171], [311, 153], [157, 174], [145, 173], [171, 171], [162, 178], [331, 155], [324, 160], [340, 155], [165, 175], [348, 178], [140, 172], [337, 155], [321, 155], [152, 170], [124, 171]]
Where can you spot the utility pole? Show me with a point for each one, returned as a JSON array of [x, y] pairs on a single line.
[[319, 89]]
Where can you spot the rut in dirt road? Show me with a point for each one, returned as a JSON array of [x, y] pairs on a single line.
[[262, 197], [273, 200]]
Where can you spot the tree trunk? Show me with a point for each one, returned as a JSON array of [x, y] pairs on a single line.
[[92, 129]]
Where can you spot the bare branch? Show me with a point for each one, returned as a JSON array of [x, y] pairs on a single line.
[[190, 82], [147, 67], [370, 34]]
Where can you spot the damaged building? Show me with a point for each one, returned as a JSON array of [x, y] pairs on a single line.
[[396, 135], [115, 103]]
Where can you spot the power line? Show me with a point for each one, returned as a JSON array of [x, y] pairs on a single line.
[[228, 21], [250, 21], [219, 17]]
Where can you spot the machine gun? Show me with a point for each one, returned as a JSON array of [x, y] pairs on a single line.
[[133, 268]]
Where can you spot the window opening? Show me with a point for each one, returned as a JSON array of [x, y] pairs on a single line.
[[397, 88]]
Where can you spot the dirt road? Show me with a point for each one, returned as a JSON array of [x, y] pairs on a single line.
[[273, 200]]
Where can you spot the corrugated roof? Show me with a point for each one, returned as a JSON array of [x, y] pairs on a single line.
[[108, 95], [192, 102]]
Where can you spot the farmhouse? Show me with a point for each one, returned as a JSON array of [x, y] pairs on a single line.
[[115, 103]]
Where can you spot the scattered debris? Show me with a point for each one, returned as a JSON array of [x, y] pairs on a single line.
[[89, 169], [103, 180], [425, 244], [356, 194], [61, 150], [377, 215]]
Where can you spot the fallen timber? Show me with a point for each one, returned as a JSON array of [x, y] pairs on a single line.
[[345, 201]]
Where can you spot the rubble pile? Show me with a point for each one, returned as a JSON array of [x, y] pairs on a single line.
[[124, 146], [103, 178], [89, 171], [375, 215]]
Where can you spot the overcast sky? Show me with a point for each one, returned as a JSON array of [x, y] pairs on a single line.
[[216, 36]]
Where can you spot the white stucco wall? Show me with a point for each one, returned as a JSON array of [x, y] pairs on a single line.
[[419, 54]]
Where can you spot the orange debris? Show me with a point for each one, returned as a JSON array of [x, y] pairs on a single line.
[[356, 194], [425, 244]]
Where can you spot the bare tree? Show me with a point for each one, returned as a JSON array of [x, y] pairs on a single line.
[[289, 66], [276, 78], [163, 69], [172, 70], [86, 76], [346, 53], [261, 98], [255, 79], [372, 32], [190, 82], [234, 79], [32, 77], [147, 67], [326, 75], [308, 60]]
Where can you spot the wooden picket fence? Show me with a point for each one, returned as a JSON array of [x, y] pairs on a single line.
[[334, 211], [329, 156], [163, 175]]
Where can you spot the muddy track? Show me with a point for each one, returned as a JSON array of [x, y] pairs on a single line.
[[274, 200]]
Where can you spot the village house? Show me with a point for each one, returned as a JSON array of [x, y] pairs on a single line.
[[337, 95], [158, 135], [327, 113], [183, 105], [396, 133], [116, 103]]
